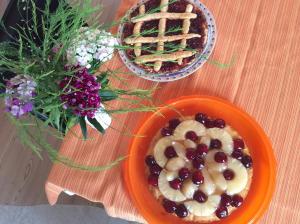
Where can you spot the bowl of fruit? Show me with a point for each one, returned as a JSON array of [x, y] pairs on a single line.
[[200, 160]]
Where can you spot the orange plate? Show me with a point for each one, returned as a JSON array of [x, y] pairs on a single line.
[[264, 164]]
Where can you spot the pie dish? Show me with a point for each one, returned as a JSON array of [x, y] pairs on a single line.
[[257, 197], [165, 40], [199, 168]]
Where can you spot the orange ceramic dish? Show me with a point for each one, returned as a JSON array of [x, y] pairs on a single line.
[[264, 164]]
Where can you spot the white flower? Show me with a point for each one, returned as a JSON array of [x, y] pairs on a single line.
[[91, 45]]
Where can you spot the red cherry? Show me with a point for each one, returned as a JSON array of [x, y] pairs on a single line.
[[215, 144], [238, 144], [220, 157], [237, 200], [153, 180], [170, 152], [228, 174], [200, 196], [247, 161], [175, 184], [174, 123], [181, 211], [226, 200], [191, 135], [190, 154], [200, 117], [201, 150], [150, 161], [166, 131], [221, 212], [155, 169], [197, 178], [170, 206], [184, 173], [219, 123], [237, 154], [198, 163], [209, 123]]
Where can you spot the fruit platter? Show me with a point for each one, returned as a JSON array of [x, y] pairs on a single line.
[[203, 164], [199, 164]]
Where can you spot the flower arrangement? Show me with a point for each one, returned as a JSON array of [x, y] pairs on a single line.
[[56, 58], [91, 46], [20, 92]]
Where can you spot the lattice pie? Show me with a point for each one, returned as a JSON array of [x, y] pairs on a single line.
[[199, 168], [164, 35]]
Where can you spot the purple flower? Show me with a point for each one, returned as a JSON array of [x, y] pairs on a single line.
[[20, 91], [81, 93]]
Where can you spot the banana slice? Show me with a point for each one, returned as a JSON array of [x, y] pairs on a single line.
[[188, 125], [219, 180], [167, 191], [240, 180], [211, 163], [223, 136], [175, 164], [160, 147], [189, 188], [205, 140], [208, 187], [189, 144], [204, 209]]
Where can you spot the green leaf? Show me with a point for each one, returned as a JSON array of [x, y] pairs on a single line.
[[83, 127], [97, 125], [54, 118], [107, 95], [71, 122], [104, 84], [2, 85], [103, 79], [95, 64]]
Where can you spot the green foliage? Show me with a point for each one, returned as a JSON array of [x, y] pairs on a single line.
[[83, 127], [107, 95], [31, 53], [96, 124]]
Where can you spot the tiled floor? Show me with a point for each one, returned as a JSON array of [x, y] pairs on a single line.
[[60, 214]]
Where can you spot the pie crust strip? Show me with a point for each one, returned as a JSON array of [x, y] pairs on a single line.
[[164, 57], [163, 15], [161, 33], [146, 40], [185, 29], [137, 32]]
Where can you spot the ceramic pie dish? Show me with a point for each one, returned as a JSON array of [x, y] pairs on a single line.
[[264, 165], [167, 40]]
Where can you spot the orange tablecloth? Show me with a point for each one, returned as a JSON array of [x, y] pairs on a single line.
[[264, 38]]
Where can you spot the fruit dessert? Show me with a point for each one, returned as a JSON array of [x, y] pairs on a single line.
[[164, 35], [199, 168]]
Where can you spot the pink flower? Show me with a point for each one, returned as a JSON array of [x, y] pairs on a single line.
[[20, 91], [81, 93]]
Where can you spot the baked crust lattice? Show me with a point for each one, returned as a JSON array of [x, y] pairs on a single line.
[[163, 15]]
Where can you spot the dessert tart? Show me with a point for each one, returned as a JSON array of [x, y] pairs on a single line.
[[166, 36], [199, 168]]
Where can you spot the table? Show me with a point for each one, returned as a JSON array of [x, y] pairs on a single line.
[[263, 38]]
